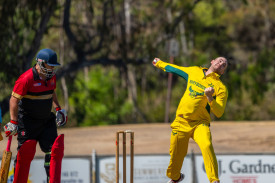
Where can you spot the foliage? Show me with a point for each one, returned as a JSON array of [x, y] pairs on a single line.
[[107, 59], [95, 100]]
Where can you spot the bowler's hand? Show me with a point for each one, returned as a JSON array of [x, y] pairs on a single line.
[[209, 93], [155, 61]]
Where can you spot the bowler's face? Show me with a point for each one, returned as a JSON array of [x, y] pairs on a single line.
[[219, 65]]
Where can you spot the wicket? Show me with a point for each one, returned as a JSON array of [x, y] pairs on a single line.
[[124, 155]]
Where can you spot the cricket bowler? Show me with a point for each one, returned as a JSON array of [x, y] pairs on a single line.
[[205, 93], [31, 103]]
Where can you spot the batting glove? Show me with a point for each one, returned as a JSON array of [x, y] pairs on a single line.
[[61, 116], [11, 128]]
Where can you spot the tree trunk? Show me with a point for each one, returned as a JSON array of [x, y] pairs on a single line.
[[61, 59], [127, 20], [183, 38]]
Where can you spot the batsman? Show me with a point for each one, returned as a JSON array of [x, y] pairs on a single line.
[[205, 93], [32, 119]]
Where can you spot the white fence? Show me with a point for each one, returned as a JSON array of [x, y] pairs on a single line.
[[74, 170], [237, 168], [232, 169]]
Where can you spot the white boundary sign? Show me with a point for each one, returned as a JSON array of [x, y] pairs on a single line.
[[152, 168], [74, 170], [147, 168], [241, 169]]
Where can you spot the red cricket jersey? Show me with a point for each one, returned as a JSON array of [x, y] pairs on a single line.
[[36, 95]]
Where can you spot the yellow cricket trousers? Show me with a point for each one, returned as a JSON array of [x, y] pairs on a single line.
[[200, 133]]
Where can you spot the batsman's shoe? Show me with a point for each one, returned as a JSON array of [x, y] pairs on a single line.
[[179, 180], [216, 182]]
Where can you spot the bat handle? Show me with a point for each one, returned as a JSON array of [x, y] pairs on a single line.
[[9, 143]]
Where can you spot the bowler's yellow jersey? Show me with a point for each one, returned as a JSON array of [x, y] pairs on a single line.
[[194, 105]]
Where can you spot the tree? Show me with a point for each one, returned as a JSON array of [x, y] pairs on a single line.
[[22, 26], [123, 37]]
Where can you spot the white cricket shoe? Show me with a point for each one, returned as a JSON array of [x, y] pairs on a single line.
[[216, 182], [179, 180]]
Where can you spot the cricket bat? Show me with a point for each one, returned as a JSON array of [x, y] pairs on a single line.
[[5, 164]]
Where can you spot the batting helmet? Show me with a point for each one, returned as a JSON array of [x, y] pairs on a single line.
[[47, 56]]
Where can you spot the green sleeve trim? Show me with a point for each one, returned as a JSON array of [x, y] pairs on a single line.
[[179, 72]]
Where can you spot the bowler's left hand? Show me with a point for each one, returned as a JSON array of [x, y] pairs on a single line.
[[209, 93]]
